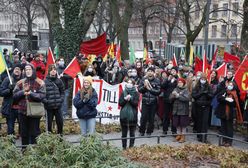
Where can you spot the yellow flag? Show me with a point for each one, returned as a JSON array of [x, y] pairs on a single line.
[[2, 63], [191, 55]]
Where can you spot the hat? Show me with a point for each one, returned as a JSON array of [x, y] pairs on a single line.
[[151, 69], [182, 80], [18, 66], [175, 68], [89, 79]]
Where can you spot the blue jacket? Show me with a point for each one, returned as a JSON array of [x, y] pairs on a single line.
[[86, 110]]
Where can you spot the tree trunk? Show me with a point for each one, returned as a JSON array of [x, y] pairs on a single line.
[[187, 49], [244, 32], [29, 30], [144, 25], [122, 24], [169, 35], [51, 36]]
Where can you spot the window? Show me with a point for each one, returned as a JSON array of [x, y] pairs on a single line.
[[233, 30], [214, 30], [223, 31], [225, 8], [197, 11], [215, 8], [235, 8]]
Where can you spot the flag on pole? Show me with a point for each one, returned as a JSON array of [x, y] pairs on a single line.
[[198, 64], [132, 56], [73, 68], [241, 77], [205, 65], [174, 60], [2, 62], [191, 55], [145, 55], [118, 54], [222, 70], [233, 59], [214, 59], [50, 60]]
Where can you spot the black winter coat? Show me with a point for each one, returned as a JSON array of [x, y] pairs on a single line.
[[168, 88], [54, 93], [149, 97], [7, 93], [202, 94]]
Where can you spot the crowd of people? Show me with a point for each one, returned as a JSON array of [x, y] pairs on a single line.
[[177, 94]]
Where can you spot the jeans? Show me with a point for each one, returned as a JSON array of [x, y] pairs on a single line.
[[13, 116], [87, 126], [64, 107], [59, 120]]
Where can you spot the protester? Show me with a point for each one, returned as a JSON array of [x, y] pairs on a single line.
[[129, 112], [30, 89], [180, 98], [149, 87], [54, 99], [228, 105], [202, 95], [85, 102], [9, 107], [90, 71], [168, 85], [39, 66]]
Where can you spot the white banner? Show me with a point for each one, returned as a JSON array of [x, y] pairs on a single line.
[[108, 98]]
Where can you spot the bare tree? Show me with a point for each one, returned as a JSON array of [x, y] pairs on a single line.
[[122, 15], [28, 10]]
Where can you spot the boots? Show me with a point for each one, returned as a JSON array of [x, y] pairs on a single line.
[[178, 137], [124, 144], [182, 139]]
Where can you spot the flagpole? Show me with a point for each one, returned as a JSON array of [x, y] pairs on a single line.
[[7, 70]]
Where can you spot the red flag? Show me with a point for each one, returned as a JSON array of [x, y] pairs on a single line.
[[222, 70], [214, 59], [241, 78], [234, 60], [205, 65], [198, 64], [50, 60], [73, 68], [97, 46], [118, 54], [174, 60]]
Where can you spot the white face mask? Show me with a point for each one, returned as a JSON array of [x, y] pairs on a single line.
[[134, 74], [230, 87], [203, 81], [198, 77], [129, 85], [90, 69]]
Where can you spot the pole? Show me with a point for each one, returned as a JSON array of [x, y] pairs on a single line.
[[160, 40], [206, 28]]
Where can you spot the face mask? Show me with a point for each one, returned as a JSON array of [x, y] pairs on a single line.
[[229, 87], [129, 85], [134, 74], [169, 66], [185, 74], [61, 63], [203, 81], [90, 69], [198, 77]]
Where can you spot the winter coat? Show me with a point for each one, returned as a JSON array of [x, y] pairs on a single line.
[[168, 87], [133, 105], [149, 97], [7, 93], [40, 68], [54, 93], [202, 94], [220, 111], [180, 104], [65, 78], [86, 110], [38, 92]]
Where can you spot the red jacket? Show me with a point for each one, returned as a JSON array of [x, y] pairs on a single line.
[[40, 68]]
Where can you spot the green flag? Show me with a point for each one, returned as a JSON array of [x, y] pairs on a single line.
[[56, 51], [132, 56]]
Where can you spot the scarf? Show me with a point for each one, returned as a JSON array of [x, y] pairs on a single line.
[[233, 94]]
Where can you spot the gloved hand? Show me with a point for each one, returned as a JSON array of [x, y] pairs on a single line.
[[11, 87], [229, 99], [38, 68]]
